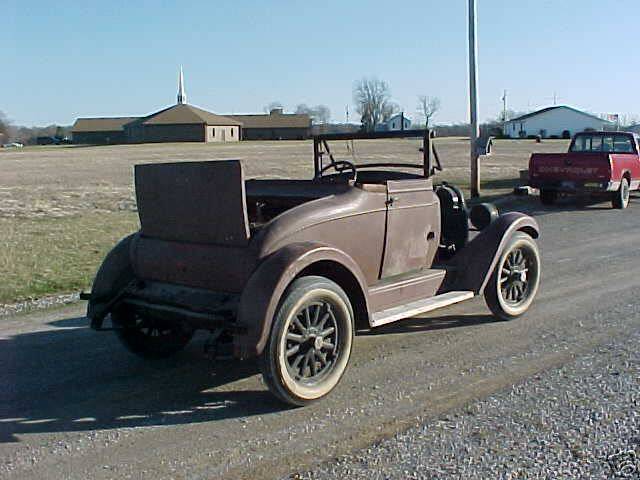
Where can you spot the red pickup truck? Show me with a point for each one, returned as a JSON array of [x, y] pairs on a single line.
[[606, 163]]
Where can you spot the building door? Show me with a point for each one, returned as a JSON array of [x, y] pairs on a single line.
[[223, 135]]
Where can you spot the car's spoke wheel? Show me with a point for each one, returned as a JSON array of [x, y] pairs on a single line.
[[310, 342], [149, 337], [515, 279], [621, 197]]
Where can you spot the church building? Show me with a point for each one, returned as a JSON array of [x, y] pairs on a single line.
[[178, 123]]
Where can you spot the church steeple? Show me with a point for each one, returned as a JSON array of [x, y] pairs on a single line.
[[182, 97]]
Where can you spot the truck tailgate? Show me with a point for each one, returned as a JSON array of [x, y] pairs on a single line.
[[569, 167]]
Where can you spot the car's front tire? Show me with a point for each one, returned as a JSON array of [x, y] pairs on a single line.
[[620, 198], [514, 282], [310, 341], [149, 338]]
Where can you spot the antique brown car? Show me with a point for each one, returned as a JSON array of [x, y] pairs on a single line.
[[286, 270]]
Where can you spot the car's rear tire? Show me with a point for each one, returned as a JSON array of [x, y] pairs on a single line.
[[620, 198], [548, 197], [310, 341], [514, 282], [149, 338]]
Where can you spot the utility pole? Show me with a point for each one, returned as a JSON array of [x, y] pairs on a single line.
[[504, 112], [474, 182]]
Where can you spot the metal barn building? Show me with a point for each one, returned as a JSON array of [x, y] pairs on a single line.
[[557, 121]]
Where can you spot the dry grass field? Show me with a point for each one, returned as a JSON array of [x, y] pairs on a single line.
[[62, 208]]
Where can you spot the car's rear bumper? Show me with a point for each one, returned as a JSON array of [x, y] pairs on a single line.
[[576, 186]]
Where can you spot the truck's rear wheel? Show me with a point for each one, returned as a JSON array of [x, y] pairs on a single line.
[[310, 342], [621, 197], [548, 197], [148, 337], [515, 279]]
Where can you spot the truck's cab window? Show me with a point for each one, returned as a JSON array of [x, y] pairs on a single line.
[[622, 144], [609, 143]]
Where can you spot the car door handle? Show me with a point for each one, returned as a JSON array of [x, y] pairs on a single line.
[[390, 201]]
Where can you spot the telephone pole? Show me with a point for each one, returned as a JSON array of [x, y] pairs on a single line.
[[504, 112], [474, 182]]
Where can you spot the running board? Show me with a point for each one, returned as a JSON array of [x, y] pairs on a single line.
[[419, 306]]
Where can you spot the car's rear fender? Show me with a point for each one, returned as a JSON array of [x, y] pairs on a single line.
[[262, 294], [475, 263], [114, 274]]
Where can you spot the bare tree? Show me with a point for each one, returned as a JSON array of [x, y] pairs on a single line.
[[319, 113], [322, 114], [303, 109], [373, 102], [272, 106], [428, 107], [628, 120], [4, 128], [509, 114]]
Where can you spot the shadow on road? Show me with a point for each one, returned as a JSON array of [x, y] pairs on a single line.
[[532, 206], [71, 378]]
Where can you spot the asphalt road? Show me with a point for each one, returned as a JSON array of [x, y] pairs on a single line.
[[74, 404]]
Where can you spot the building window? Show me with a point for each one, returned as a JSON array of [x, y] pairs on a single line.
[[213, 132], [232, 129]]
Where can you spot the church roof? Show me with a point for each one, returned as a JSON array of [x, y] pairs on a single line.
[[274, 120], [104, 124], [184, 113]]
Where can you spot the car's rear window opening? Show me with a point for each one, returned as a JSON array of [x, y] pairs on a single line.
[[598, 142]]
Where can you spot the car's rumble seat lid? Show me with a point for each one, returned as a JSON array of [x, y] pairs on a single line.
[[195, 202]]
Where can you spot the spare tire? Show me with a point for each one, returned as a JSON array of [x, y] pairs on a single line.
[[483, 215], [454, 218]]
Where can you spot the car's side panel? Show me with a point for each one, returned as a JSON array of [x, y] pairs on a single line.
[[413, 226], [264, 290], [475, 263], [352, 222], [405, 288]]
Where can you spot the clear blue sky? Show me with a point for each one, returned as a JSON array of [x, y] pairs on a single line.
[[64, 59]]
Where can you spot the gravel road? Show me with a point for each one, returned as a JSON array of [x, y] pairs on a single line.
[[74, 405], [581, 420]]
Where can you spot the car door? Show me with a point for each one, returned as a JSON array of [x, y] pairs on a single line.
[[413, 226]]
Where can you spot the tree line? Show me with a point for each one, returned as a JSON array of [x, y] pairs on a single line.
[[28, 135], [372, 98]]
